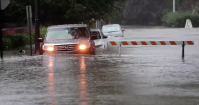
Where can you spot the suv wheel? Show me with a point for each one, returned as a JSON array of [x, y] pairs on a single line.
[[92, 50]]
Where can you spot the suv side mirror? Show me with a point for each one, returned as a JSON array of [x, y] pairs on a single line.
[[105, 37], [94, 37], [40, 39], [123, 30]]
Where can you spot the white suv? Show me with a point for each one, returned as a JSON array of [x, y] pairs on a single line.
[[113, 30]]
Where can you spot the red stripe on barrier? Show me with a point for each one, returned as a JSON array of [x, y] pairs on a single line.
[[124, 43], [143, 43], [134, 43], [172, 42], [113, 43], [190, 42], [153, 42], [162, 43]]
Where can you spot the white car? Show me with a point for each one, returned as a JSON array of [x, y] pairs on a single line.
[[100, 41], [113, 30]]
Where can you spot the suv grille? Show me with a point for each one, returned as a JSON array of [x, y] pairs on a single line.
[[69, 47]]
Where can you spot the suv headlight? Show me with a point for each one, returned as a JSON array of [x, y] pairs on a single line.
[[82, 47], [49, 48]]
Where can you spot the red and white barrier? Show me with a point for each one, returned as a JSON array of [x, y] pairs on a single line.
[[150, 43], [116, 43]]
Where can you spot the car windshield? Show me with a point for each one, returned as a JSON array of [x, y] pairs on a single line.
[[107, 29], [66, 34]]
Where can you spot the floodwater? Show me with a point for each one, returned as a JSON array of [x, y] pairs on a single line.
[[143, 75]]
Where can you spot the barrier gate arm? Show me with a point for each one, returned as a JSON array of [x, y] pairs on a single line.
[[135, 43]]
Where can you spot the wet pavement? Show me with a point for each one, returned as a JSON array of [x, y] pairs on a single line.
[[143, 75]]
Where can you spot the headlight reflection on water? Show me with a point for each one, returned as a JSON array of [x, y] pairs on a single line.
[[83, 83], [51, 87]]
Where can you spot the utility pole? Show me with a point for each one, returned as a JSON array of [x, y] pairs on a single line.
[[174, 6], [37, 31], [29, 22], [3, 5], [1, 36]]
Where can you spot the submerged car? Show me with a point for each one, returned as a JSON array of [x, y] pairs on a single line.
[[99, 42], [113, 30], [75, 39]]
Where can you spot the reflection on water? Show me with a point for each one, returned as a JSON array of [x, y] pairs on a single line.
[[83, 83], [51, 87]]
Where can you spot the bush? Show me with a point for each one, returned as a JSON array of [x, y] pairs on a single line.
[[7, 43], [43, 31], [15, 40], [20, 39], [92, 25], [178, 19]]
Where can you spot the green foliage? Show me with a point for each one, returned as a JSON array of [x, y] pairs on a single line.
[[65, 11], [15, 40], [144, 12], [43, 31], [178, 19], [92, 25], [7, 43], [20, 39]]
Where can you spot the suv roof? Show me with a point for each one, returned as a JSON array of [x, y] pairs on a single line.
[[112, 25], [67, 26]]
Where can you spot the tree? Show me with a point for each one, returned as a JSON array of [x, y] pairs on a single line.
[[66, 11], [143, 11], [146, 12], [186, 5]]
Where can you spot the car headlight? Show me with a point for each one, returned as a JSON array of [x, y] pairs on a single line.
[[82, 47], [50, 48]]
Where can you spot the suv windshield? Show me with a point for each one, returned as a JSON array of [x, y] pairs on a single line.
[[107, 29], [66, 33]]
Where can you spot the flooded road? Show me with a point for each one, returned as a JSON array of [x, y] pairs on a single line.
[[143, 75]]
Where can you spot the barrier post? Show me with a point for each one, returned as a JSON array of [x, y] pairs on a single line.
[[183, 46], [119, 49]]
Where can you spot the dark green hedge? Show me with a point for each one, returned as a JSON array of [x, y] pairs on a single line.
[[178, 19], [20, 39], [15, 40]]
